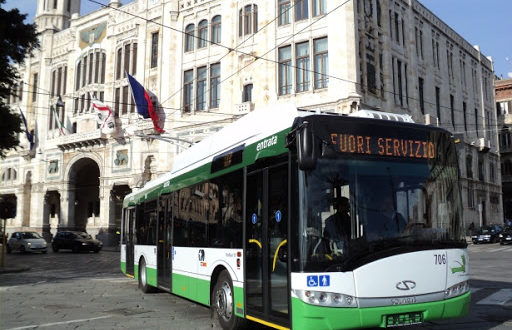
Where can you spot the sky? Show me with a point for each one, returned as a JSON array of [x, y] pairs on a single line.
[[487, 23]]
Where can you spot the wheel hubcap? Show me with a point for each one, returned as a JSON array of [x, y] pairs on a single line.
[[224, 301], [143, 274]]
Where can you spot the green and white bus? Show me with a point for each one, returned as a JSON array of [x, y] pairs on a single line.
[[242, 223]]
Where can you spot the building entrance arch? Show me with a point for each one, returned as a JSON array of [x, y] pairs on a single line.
[[84, 187]]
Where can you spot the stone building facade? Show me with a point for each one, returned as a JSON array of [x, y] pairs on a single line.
[[208, 62], [503, 94]]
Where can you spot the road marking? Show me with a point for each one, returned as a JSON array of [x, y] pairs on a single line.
[[59, 323], [499, 298], [499, 249]]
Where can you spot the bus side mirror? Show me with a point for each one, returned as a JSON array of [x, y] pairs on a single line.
[[307, 151]]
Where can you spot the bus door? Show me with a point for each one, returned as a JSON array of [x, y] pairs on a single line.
[[129, 232], [266, 263], [164, 249]]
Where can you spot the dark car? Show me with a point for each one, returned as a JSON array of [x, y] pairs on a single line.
[[487, 234], [75, 241], [506, 235]]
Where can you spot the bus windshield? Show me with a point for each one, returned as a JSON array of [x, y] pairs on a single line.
[[354, 210]]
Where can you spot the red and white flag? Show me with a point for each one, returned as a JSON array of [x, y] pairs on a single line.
[[105, 116]]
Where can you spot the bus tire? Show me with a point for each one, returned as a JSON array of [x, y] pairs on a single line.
[[143, 279], [222, 303]]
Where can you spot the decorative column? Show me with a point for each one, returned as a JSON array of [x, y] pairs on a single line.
[[67, 208]]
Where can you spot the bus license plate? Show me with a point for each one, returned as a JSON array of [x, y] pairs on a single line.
[[400, 320]]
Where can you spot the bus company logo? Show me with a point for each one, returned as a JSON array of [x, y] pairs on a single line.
[[271, 141], [406, 285], [200, 256]]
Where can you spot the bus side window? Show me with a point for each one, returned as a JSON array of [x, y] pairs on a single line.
[[225, 225]]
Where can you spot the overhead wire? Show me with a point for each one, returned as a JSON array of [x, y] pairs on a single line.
[[262, 57]]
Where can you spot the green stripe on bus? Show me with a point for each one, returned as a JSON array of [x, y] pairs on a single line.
[[239, 301], [191, 288], [307, 316], [123, 267]]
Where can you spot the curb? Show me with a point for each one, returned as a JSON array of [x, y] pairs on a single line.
[[5, 270]]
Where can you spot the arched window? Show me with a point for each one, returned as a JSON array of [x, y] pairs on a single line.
[[248, 20], [59, 77], [189, 37], [216, 30], [89, 77], [202, 30], [126, 61]]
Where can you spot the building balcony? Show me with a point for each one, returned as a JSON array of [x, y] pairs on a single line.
[[81, 140]]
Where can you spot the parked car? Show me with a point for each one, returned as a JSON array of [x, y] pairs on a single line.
[[506, 235], [487, 234], [26, 241], [75, 241]]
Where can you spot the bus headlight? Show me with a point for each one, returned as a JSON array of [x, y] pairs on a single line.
[[329, 299], [456, 290]]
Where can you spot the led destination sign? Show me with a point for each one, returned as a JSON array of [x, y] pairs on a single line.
[[383, 146]]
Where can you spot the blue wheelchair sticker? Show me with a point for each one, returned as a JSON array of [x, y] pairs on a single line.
[[254, 218], [325, 280], [279, 216], [312, 280]]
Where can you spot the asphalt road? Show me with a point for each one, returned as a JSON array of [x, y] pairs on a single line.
[[87, 291]]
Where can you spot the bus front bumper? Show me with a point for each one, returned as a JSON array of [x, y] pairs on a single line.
[[307, 316]]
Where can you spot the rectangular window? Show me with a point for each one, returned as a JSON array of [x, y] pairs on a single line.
[[399, 83], [476, 121], [52, 89], [471, 196], [284, 12], [421, 88], [91, 67], [59, 81], [126, 58], [302, 66], [65, 78], [188, 89], [397, 28], [301, 10], [134, 59], [452, 109], [124, 102], [97, 59], [285, 70], [84, 71], [201, 88], [117, 95], [34, 86], [214, 85], [321, 63], [438, 104], [319, 7], [464, 113], [154, 49]]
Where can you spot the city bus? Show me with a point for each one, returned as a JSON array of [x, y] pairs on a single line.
[[241, 223]]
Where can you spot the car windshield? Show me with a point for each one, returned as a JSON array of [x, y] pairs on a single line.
[[486, 230], [353, 211], [30, 235]]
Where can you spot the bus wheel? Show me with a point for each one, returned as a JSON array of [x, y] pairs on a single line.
[[143, 280], [222, 303]]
